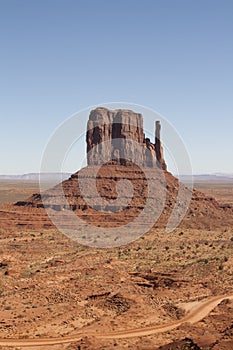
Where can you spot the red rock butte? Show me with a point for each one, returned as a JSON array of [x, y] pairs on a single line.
[[106, 125]]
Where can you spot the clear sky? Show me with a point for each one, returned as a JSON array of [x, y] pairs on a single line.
[[60, 56]]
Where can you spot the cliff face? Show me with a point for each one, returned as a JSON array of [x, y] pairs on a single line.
[[101, 197], [117, 136]]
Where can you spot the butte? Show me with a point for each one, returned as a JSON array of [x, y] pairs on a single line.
[[117, 149]]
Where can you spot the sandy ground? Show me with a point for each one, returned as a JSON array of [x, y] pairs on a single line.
[[158, 289]]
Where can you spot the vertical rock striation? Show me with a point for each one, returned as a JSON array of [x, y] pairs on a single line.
[[158, 146], [114, 135]]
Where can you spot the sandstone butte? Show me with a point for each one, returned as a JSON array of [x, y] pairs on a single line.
[[104, 127]]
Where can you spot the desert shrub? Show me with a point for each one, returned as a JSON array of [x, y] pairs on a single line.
[[8, 307]]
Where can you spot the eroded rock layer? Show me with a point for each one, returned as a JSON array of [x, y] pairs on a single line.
[[202, 212], [118, 136], [115, 188]]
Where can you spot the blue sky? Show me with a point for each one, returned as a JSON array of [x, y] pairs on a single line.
[[60, 56]]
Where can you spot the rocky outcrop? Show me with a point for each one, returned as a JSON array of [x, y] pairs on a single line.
[[115, 194], [117, 136], [185, 344], [158, 146]]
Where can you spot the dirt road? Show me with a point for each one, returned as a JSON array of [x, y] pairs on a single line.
[[195, 314]]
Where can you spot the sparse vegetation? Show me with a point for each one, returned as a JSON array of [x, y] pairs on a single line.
[[186, 266]]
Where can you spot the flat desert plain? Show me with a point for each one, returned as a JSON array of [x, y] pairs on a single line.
[[163, 291]]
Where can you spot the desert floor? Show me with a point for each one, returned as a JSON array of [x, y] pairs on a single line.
[[51, 287]]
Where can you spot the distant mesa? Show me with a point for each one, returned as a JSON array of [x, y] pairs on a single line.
[[35, 177]]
